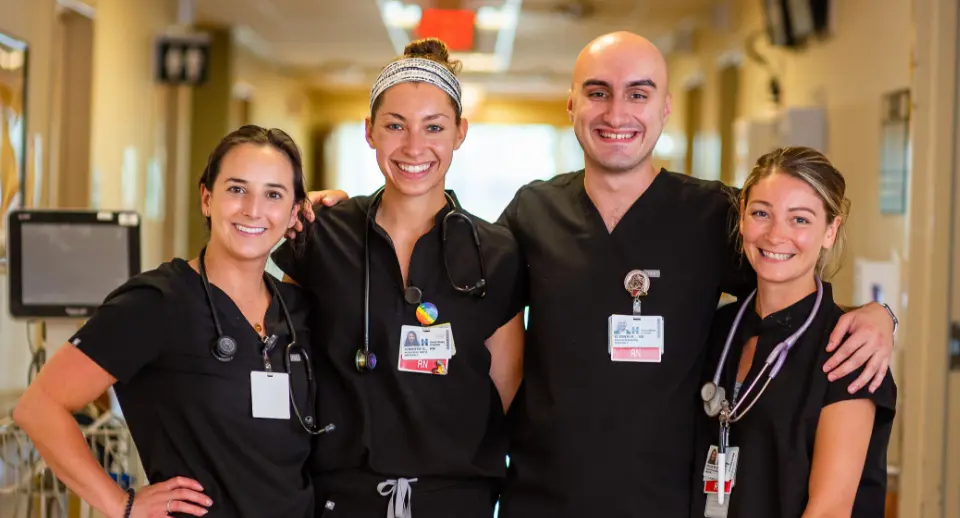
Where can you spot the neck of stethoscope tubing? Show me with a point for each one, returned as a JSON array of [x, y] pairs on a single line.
[[377, 197], [730, 335], [735, 414]]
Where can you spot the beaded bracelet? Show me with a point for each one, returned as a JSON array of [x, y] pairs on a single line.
[[132, 493]]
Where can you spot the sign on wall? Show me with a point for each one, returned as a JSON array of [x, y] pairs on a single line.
[[183, 60], [895, 152]]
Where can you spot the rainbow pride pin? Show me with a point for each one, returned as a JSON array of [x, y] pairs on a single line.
[[427, 313]]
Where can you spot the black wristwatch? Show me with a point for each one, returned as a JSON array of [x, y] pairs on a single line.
[[896, 323], [131, 493]]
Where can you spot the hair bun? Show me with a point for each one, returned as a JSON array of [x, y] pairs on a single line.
[[433, 49], [427, 47]]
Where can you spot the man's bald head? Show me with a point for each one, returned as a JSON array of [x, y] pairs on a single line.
[[618, 50], [619, 102]]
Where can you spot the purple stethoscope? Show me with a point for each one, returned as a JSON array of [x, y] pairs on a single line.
[[714, 396]]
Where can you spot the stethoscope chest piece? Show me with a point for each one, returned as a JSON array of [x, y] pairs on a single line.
[[225, 348], [713, 397], [365, 361]]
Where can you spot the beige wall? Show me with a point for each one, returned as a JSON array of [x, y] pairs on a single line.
[[276, 100], [128, 114], [847, 74], [33, 22], [243, 89]]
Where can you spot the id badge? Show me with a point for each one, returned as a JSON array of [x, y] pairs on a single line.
[[270, 393], [426, 350], [710, 483], [635, 338]]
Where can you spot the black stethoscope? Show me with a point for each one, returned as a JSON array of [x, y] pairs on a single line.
[[364, 360], [225, 348], [714, 396]]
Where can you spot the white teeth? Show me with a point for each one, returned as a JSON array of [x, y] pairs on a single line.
[[414, 168], [617, 136], [775, 256], [250, 230]]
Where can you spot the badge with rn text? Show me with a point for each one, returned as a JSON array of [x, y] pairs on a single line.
[[426, 350], [636, 337]]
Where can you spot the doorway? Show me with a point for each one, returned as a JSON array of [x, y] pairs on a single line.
[[693, 117], [729, 93], [73, 91]]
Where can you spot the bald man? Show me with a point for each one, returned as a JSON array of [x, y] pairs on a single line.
[[625, 265]]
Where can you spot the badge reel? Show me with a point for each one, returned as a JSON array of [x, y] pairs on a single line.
[[636, 338]]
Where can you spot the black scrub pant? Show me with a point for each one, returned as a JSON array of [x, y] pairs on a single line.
[[354, 494]]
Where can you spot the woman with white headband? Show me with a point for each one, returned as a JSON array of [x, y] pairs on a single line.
[[418, 325]]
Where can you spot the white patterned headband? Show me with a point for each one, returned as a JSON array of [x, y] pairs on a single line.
[[417, 69]]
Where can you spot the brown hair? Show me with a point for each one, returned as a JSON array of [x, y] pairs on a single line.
[[814, 169], [251, 134], [433, 49]]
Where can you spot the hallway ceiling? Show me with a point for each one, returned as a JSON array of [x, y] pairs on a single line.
[[343, 43]]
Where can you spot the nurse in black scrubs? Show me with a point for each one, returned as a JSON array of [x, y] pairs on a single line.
[[187, 347], [418, 326], [792, 444]]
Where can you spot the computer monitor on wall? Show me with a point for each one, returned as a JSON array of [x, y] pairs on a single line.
[[62, 264], [792, 23]]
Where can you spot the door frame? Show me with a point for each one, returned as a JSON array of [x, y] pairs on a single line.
[[926, 273]]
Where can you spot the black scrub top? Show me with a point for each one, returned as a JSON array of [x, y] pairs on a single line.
[[389, 422], [595, 437], [776, 437], [189, 413]]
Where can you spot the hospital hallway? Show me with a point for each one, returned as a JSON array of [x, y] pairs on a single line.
[[110, 109]]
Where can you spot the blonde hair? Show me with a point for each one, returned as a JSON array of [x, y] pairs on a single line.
[[814, 169]]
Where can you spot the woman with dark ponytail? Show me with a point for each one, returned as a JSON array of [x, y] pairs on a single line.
[[199, 354], [418, 328]]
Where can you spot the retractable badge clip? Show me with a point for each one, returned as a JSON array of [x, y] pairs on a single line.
[[637, 284]]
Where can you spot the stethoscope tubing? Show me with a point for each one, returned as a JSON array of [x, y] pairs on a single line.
[[776, 358]]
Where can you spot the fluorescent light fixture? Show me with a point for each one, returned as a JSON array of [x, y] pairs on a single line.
[[396, 14], [491, 18], [508, 31], [14, 44], [79, 7], [11, 60]]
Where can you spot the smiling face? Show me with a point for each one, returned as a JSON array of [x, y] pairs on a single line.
[[785, 227], [415, 133], [251, 204], [619, 102]]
